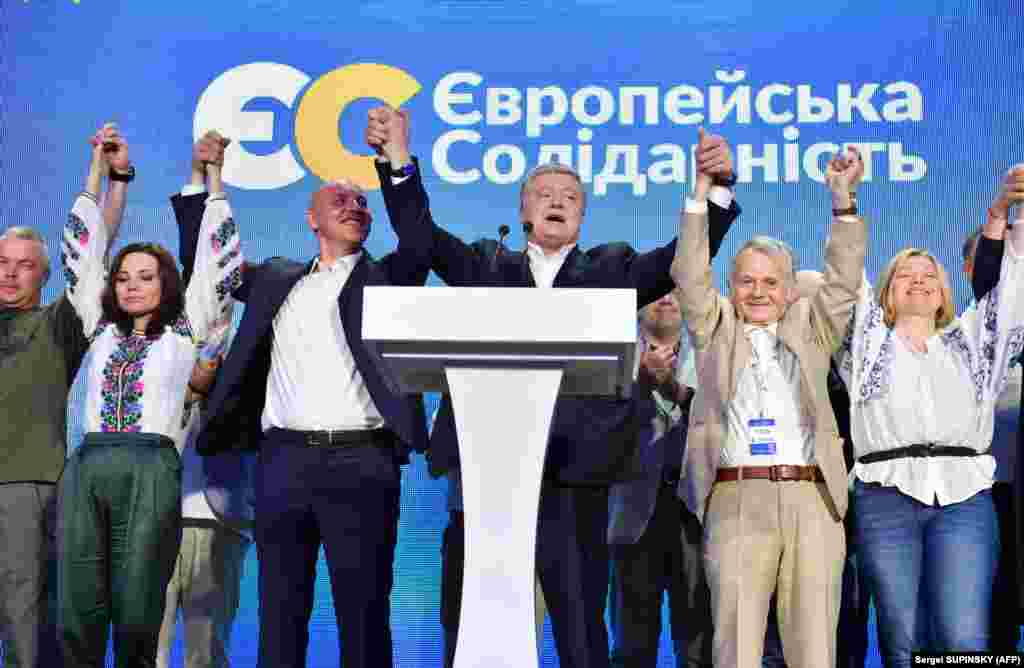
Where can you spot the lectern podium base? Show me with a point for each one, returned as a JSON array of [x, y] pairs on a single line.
[[503, 417]]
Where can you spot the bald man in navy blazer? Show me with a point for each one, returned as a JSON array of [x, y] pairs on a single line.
[[331, 428]]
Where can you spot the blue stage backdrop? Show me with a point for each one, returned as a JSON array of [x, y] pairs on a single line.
[[930, 91]]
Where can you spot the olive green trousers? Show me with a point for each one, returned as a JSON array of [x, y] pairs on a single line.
[[118, 531]]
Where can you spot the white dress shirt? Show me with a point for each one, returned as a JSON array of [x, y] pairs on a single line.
[[769, 387], [545, 267], [313, 382]]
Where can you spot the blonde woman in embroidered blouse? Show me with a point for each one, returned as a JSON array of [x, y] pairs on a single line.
[[119, 498], [923, 386]]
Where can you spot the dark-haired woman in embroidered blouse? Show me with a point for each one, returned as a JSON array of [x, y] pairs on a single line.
[[923, 386], [119, 513]]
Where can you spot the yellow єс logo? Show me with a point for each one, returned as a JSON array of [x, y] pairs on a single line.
[[316, 120]]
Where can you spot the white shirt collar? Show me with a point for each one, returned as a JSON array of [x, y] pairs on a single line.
[[536, 252], [772, 328], [343, 263]]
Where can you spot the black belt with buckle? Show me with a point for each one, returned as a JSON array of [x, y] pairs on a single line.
[[342, 438], [919, 450]]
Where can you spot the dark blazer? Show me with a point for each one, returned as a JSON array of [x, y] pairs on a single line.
[[236, 402], [592, 438], [631, 502]]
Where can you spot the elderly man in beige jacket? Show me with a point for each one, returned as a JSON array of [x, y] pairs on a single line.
[[764, 468]]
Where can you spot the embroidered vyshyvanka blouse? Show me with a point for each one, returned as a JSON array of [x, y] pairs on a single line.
[[945, 396], [137, 383]]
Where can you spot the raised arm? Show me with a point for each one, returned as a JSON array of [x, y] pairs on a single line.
[[833, 305], [650, 272], [691, 271], [119, 174], [218, 261], [994, 326], [89, 230], [988, 253], [422, 244]]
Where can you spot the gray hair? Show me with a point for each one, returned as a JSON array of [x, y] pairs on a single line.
[[774, 248], [26, 233], [552, 168]]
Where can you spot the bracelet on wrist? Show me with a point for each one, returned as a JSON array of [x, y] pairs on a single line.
[[724, 181], [208, 365], [126, 176]]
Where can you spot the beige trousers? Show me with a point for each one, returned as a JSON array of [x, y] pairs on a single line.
[[763, 537], [205, 587]]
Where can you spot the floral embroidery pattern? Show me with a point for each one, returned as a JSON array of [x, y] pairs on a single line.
[[229, 283], [182, 327], [226, 259], [70, 277], [122, 386], [990, 333], [78, 230], [225, 231], [1015, 343], [875, 381]]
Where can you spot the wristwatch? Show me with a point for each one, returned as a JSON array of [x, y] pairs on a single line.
[[124, 177], [724, 181], [406, 170]]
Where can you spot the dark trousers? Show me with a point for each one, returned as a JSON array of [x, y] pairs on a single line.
[[668, 558], [453, 554], [572, 563], [27, 586], [855, 608], [1005, 629], [118, 531], [347, 499]]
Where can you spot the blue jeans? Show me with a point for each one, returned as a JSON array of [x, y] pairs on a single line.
[[937, 559]]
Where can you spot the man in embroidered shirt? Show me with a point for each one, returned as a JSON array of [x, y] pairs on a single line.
[[764, 468], [41, 348]]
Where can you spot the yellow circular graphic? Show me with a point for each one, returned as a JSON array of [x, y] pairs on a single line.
[[316, 122]]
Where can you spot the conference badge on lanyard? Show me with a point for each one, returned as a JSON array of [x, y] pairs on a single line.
[[762, 436]]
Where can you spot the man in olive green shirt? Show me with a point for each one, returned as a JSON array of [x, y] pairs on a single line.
[[41, 348]]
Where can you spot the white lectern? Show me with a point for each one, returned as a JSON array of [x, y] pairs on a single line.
[[504, 355]]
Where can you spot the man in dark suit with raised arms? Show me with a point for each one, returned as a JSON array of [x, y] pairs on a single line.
[[591, 438], [331, 428]]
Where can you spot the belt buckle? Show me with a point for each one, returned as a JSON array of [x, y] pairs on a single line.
[[773, 473], [315, 439]]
